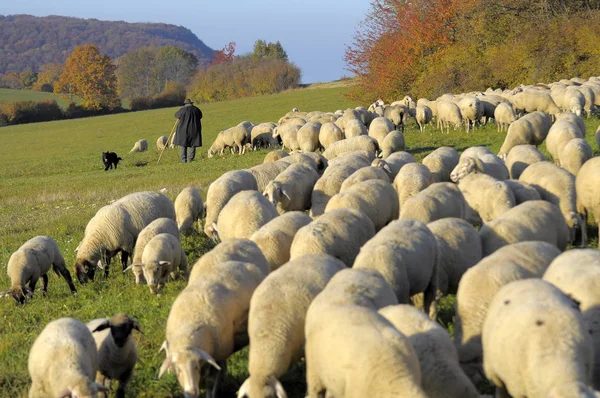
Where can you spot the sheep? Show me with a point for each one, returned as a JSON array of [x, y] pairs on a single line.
[[63, 361], [574, 101], [471, 109], [487, 198], [158, 226], [392, 143], [354, 128], [308, 137], [261, 136], [474, 152], [292, 188], [234, 137], [394, 162], [479, 285], [364, 174], [242, 250], [587, 185], [117, 353], [488, 164], [360, 143], [207, 323], [288, 133], [521, 156], [535, 343], [522, 191], [423, 116], [439, 200], [140, 146], [563, 131], [459, 249], [264, 173], [243, 215], [531, 220], [577, 273], [224, 188], [574, 154], [398, 115], [589, 95], [276, 321], [306, 159], [448, 114], [440, 163], [377, 199], [430, 104], [504, 115], [188, 209], [532, 101], [438, 359], [379, 129], [411, 179], [30, 262], [530, 129], [339, 232], [557, 186], [161, 142], [115, 228], [329, 133], [274, 156]]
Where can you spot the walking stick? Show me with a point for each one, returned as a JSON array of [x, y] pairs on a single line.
[[168, 139]]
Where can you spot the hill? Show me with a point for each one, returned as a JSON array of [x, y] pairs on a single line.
[[29, 42], [10, 95]]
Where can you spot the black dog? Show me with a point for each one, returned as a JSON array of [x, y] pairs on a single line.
[[110, 158]]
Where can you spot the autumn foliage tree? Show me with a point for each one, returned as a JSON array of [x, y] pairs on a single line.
[[91, 76], [224, 55]]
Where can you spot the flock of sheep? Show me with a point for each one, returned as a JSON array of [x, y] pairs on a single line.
[[341, 257]]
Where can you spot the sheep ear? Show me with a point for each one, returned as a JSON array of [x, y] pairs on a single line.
[[102, 326], [214, 225], [243, 391], [165, 347], [131, 266], [205, 356], [387, 168], [137, 326], [164, 263], [65, 394], [99, 264], [165, 366], [279, 391], [284, 193]]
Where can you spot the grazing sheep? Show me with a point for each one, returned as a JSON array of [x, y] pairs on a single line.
[[158, 226], [392, 143], [354, 128], [394, 162], [292, 188], [532, 101], [242, 250], [423, 116], [63, 361], [459, 248], [274, 156], [340, 233], [308, 137], [535, 343], [288, 133], [438, 359], [430, 104], [574, 101], [522, 191], [224, 188], [360, 143], [532, 220], [276, 321], [364, 174], [574, 154], [471, 110], [329, 134], [479, 285], [30, 262], [261, 136], [488, 164], [140, 146], [504, 115], [379, 128], [531, 129], [587, 186], [305, 159], [561, 132], [411, 179], [487, 198], [188, 209], [441, 162], [377, 199], [234, 137], [439, 200], [117, 354], [264, 173], [207, 323], [115, 228], [448, 114], [244, 214], [161, 142], [521, 156], [398, 115]]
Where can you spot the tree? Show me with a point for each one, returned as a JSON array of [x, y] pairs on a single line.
[[47, 77], [27, 78], [224, 55], [262, 49], [91, 76], [175, 65]]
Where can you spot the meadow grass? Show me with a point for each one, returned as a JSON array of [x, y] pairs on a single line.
[[52, 182], [10, 95]]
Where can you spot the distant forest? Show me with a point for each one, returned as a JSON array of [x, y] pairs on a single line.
[[28, 42]]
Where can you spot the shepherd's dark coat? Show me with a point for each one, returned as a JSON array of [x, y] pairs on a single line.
[[189, 128]]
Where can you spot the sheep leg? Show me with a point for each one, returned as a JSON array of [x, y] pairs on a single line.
[[61, 268], [123, 381], [45, 284], [214, 378], [32, 284], [124, 259]]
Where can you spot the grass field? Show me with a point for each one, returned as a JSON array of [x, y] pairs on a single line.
[[10, 95], [52, 182]]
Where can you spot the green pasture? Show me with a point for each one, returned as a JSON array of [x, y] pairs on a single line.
[[10, 95], [52, 182]]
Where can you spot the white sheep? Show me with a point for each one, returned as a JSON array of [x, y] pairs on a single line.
[[364, 174], [140, 146], [379, 128], [471, 109], [398, 114], [207, 323], [574, 154], [423, 116], [392, 143], [261, 136], [535, 343], [288, 133], [533, 100], [522, 191], [63, 361], [504, 115], [480, 283], [329, 134], [30, 262], [487, 198], [574, 101], [411, 179], [117, 353], [587, 186], [439, 200], [274, 156], [561, 132], [308, 137], [354, 128], [488, 164], [292, 188], [430, 104], [243, 215], [161, 142], [394, 162], [340, 233], [264, 173], [360, 143], [532, 129], [448, 113], [521, 156], [438, 359], [234, 137], [440, 163], [188, 209], [312, 159], [158, 226], [276, 321], [220, 191]]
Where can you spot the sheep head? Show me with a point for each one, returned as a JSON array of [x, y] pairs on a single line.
[[267, 387], [121, 326], [153, 272], [85, 270], [275, 193], [466, 166]]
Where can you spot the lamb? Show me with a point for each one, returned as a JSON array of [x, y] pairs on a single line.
[[161, 142], [292, 188], [30, 262], [533, 100], [423, 116], [405, 252], [489, 164], [340, 233], [308, 137], [536, 344], [117, 354], [243, 215], [438, 359], [530, 129], [266, 172], [360, 143], [188, 209], [115, 228], [504, 115], [557, 186], [479, 285], [587, 186], [140, 146], [520, 157], [276, 321], [448, 114], [275, 238], [574, 154], [377, 199], [563, 131], [440, 163], [439, 200], [411, 179], [394, 162], [364, 174], [487, 198], [207, 323], [471, 109], [289, 135], [242, 250], [261, 136], [234, 137], [392, 143], [63, 361], [158, 226], [459, 249], [329, 134], [221, 190], [274, 156], [522, 191], [379, 129]]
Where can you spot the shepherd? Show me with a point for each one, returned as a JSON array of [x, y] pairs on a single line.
[[189, 130]]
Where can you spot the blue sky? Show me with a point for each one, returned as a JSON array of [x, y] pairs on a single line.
[[313, 32]]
